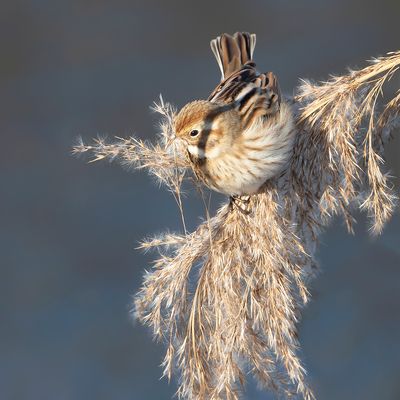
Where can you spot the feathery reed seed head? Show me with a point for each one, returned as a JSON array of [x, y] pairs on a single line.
[[226, 298]]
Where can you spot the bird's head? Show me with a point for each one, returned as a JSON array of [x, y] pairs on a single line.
[[207, 128]]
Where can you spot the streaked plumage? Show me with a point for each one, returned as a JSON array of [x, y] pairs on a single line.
[[242, 134]]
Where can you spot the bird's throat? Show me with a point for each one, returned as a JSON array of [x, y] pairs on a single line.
[[196, 151]]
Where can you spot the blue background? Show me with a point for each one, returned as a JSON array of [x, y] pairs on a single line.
[[68, 230]]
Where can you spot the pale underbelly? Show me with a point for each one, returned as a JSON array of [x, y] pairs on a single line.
[[237, 178]]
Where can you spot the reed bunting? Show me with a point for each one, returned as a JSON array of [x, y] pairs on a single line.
[[242, 134]]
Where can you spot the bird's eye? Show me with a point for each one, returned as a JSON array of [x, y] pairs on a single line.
[[194, 133]]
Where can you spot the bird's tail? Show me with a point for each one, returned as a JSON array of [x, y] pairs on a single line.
[[232, 52]]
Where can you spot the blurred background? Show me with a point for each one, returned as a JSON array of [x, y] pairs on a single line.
[[68, 229]]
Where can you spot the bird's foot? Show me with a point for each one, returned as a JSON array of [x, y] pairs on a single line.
[[242, 203]]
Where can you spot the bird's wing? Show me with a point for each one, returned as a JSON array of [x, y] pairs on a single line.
[[253, 94]]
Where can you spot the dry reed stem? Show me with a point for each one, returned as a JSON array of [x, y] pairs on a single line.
[[226, 298]]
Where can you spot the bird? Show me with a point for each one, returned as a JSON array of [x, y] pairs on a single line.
[[242, 134]]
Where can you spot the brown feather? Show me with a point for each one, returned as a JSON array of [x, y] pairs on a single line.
[[232, 52]]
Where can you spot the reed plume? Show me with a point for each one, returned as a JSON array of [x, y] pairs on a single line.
[[226, 298]]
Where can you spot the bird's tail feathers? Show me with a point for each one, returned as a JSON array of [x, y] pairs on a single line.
[[232, 52]]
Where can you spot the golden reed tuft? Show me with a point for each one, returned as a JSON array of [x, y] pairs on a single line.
[[226, 298]]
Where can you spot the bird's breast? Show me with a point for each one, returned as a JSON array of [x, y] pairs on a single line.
[[259, 154]]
